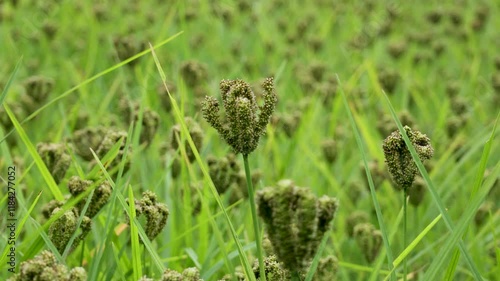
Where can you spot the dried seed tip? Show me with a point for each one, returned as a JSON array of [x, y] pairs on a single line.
[[156, 213], [56, 159], [62, 229], [243, 125], [44, 266], [369, 240], [398, 158], [296, 221], [195, 132], [101, 195]]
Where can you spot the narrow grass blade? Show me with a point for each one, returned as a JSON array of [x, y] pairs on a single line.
[[80, 219], [125, 206], [134, 237], [376, 204], [450, 272], [431, 188], [315, 261], [110, 218], [93, 78], [179, 116], [9, 82], [469, 212], [20, 226], [49, 180], [413, 244]]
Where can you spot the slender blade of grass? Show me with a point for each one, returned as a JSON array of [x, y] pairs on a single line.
[[450, 272], [140, 230], [244, 260], [431, 188], [9, 82], [134, 237], [93, 78], [47, 177], [437, 264], [413, 244], [317, 256], [20, 226], [376, 204]]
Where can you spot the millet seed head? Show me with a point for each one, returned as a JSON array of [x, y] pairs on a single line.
[[398, 158], [245, 120]]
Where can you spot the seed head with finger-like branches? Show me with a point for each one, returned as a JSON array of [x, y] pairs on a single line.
[[245, 120]]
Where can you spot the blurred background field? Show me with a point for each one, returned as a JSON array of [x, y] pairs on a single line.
[[438, 62]]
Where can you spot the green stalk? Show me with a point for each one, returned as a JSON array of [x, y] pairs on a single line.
[[251, 196], [405, 269]]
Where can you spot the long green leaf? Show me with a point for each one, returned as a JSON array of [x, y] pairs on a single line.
[[376, 204], [468, 214], [450, 272], [140, 229], [179, 116], [432, 189], [134, 237], [20, 226], [9, 82], [49, 180], [414, 243], [93, 78]]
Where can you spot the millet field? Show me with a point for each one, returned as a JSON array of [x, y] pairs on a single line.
[[249, 140]]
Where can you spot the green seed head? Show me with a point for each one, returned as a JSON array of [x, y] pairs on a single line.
[[44, 267], [398, 158], [56, 159], [369, 240], [61, 230], [245, 120], [296, 222], [87, 138], [330, 151], [156, 213], [273, 268], [355, 218], [101, 195], [37, 90], [194, 73], [327, 269]]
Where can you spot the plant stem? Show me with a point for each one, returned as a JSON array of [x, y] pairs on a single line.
[[405, 269], [251, 196]]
